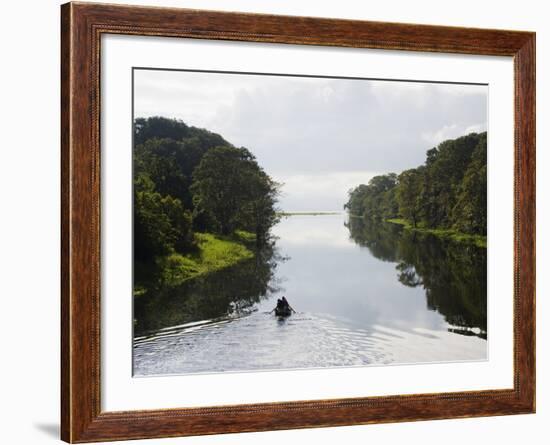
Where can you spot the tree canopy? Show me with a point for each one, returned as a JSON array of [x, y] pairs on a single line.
[[188, 179], [448, 191]]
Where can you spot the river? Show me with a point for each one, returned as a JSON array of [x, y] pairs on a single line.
[[364, 294]]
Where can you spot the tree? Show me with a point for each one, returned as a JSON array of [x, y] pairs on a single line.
[[449, 191], [408, 194], [234, 191], [445, 168], [152, 227], [470, 211], [161, 224], [163, 128], [376, 200], [259, 214], [181, 222], [355, 205]]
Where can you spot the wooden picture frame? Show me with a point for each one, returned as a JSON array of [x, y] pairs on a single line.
[[82, 25]]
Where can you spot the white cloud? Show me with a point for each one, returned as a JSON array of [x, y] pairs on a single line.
[[477, 128], [318, 135], [319, 192], [451, 131], [444, 133]]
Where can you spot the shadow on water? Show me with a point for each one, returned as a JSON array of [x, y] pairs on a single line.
[[453, 275], [226, 294]]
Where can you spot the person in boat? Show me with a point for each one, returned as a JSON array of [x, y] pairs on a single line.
[[282, 306], [285, 304]]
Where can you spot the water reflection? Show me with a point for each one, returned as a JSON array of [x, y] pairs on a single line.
[[366, 294], [453, 275], [230, 292]]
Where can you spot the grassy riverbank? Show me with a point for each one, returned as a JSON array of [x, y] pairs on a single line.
[[213, 253], [478, 240]]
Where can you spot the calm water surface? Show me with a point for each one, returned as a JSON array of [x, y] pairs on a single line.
[[364, 295]]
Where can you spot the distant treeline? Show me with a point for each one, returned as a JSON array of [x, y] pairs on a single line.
[[189, 180], [449, 191]]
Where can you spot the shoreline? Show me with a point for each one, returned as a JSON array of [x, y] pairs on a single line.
[[213, 253], [478, 240]]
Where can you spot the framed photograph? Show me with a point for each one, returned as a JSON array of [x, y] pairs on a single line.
[[274, 222]]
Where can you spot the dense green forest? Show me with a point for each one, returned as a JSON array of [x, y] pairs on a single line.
[[446, 195], [200, 203]]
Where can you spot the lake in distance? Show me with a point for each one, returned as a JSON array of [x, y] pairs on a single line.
[[364, 294]]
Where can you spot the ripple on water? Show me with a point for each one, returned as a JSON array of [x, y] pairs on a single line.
[[261, 341]]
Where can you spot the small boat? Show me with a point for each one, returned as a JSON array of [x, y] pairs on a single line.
[[283, 312]]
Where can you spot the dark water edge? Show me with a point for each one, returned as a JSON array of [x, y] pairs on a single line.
[[230, 292]]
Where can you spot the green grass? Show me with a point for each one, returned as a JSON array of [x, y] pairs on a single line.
[[213, 253], [478, 240], [245, 237]]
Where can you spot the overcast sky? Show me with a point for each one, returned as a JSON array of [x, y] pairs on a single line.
[[320, 137]]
